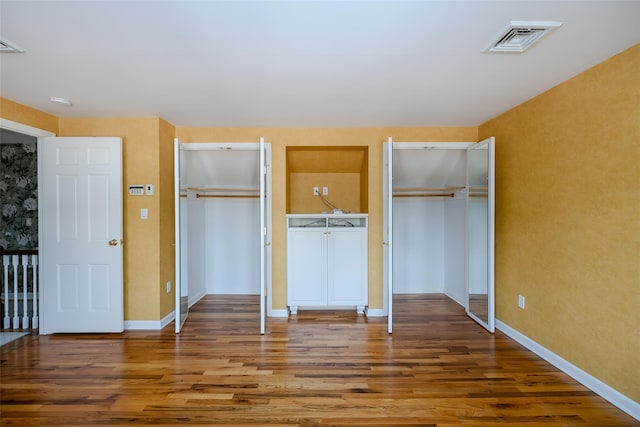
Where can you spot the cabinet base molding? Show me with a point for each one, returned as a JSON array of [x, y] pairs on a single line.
[[360, 309]]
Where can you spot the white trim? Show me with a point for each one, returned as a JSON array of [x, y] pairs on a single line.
[[456, 299], [403, 145], [375, 312], [278, 313], [605, 391], [24, 129], [194, 299], [149, 325], [197, 146]]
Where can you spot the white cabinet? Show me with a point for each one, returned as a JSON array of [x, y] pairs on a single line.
[[327, 261]]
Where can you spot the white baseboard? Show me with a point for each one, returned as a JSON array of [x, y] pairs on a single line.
[[195, 298], [457, 299], [149, 325], [279, 313], [375, 312], [616, 398], [168, 319]]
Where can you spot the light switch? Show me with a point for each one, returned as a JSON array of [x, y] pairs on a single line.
[[144, 213]]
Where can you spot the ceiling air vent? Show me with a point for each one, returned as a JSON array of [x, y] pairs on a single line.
[[7, 47], [521, 35]]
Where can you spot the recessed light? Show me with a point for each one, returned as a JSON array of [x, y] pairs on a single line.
[[61, 101]]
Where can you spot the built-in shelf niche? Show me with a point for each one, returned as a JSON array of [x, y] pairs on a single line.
[[343, 169]]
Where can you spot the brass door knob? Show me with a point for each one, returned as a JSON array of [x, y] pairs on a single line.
[[113, 242]]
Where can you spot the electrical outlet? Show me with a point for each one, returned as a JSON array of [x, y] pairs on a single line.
[[169, 286], [325, 191], [521, 301], [315, 191]]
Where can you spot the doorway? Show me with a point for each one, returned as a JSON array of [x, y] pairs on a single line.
[[439, 223], [223, 213], [21, 230]]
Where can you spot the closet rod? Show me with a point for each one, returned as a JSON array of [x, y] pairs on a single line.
[[228, 196], [224, 189], [425, 195]]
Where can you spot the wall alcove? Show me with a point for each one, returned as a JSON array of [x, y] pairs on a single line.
[[343, 170]]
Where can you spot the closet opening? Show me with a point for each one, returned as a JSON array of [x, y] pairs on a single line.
[[224, 224], [439, 223]]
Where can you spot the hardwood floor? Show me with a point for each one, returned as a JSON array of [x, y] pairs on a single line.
[[315, 369]]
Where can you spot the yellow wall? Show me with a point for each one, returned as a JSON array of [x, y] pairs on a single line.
[[165, 192], [568, 220], [344, 192], [27, 116], [281, 138]]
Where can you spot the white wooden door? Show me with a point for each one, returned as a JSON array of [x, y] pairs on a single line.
[[347, 266], [481, 233], [265, 234], [387, 228], [80, 193], [306, 267], [180, 206]]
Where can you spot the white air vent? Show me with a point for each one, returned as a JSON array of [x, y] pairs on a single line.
[[7, 47], [521, 35]]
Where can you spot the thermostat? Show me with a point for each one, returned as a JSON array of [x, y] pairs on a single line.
[[136, 190]]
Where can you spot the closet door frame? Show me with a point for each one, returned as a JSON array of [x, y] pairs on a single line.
[[387, 230], [389, 148], [181, 310], [264, 151], [488, 323]]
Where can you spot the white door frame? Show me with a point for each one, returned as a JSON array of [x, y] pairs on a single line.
[[180, 317], [387, 230], [488, 324], [264, 149], [389, 146], [38, 133]]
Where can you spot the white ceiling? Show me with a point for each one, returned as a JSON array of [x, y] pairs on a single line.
[[298, 63]]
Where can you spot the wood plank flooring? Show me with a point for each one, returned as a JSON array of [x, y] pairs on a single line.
[[319, 368]]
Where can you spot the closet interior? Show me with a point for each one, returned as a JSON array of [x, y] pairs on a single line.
[[429, 221], [441, 223], [220, 219]]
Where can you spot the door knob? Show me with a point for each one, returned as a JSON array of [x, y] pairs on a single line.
[[113, 242]]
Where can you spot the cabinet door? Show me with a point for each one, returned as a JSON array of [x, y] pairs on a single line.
[[306, 268], [347, 267]]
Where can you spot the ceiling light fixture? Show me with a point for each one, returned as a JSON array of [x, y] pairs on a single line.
[[521, 35], [60, 101], [7, 47]]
